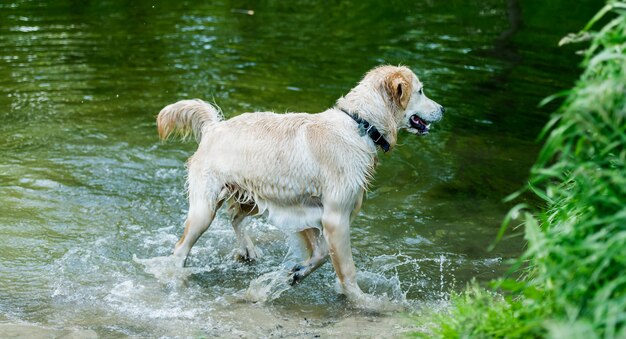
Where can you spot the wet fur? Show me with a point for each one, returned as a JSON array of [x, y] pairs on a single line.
[[306, 172]]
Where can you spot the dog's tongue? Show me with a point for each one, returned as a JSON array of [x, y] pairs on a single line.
[[418, 123]]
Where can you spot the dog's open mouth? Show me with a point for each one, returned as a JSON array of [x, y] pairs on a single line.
[[419, 124]]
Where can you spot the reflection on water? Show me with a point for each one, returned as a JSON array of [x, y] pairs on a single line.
[[91, 203]]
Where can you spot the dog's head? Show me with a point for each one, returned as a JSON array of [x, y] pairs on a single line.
[[409, 105], [392, 98]]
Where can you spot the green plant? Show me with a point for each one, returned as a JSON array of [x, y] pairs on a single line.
[[479, 312], [577, 248], [574, 284]]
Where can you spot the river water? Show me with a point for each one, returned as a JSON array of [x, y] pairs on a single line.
[[91, 201]]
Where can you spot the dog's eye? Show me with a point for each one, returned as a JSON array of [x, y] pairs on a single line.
[[421, 91]]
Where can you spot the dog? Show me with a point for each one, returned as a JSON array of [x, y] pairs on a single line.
[[307, 173]]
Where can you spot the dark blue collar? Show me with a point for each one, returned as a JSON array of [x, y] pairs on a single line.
[[366, 128]]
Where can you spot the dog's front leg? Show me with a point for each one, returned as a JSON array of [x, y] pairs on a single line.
[[336, 222], [318, 253]]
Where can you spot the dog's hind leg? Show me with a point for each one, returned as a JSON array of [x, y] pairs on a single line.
[[318, 253], [202, 206], [198, 221], [247, 251]]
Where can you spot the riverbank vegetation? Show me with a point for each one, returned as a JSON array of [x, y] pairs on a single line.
[[573, 283]]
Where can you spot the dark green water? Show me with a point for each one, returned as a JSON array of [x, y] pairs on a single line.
[[85, 184]]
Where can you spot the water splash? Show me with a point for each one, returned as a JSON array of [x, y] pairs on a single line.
[[268, 287], [430, 278], [443, 294], [167, 271], [378, 284]]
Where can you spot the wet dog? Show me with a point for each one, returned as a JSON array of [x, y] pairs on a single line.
[[305, 172]]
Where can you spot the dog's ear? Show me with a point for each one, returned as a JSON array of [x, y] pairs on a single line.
[[399, 87]]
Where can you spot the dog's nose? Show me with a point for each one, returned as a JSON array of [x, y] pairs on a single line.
[[443, 109]]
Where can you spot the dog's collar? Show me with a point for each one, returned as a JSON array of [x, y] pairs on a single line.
[[366, 128]]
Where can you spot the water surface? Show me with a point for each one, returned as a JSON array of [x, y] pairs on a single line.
[[88, 195]]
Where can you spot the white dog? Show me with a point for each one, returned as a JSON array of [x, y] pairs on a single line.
[[305, 172]]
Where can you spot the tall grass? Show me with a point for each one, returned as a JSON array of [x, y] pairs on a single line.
[[577, 246], [574, 281]]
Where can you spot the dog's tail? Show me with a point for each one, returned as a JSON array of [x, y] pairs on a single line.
[[187, 117]]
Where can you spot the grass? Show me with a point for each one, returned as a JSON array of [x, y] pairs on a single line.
[[574, 267]]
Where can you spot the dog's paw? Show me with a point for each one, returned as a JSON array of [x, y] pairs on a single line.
[[297, 274], [247, 256]]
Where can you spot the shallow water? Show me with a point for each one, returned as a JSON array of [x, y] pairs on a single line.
[[91, 202]]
